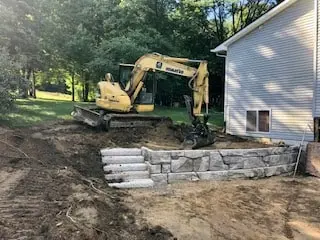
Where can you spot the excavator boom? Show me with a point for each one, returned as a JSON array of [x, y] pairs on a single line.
[[198, 78]]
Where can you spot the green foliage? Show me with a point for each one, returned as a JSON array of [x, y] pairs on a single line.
[[21, 30], [125, 49], [10, 80], [53, 80], [243, 12]]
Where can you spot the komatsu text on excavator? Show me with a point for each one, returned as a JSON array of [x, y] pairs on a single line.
[[121, 104]]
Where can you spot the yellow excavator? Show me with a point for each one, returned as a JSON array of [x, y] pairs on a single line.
[[121, 104]]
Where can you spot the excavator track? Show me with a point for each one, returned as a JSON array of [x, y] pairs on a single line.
[[95, 117]]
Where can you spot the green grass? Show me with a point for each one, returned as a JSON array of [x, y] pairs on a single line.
[[53, 96], [36, 111], [54, 106], [180, 115], [47, 107]]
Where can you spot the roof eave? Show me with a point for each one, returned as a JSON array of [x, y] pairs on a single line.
[[220, 48]]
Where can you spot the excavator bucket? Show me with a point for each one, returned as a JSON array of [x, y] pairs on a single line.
[[89, 116], [200, 135]]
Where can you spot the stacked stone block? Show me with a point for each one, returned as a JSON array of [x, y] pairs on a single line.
[[178, 165]]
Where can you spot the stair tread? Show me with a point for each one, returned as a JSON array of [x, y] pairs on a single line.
[[121, 152], [115, 168], [130, 172], [127, 175], [128, 164], [135, 183], [122, 159]]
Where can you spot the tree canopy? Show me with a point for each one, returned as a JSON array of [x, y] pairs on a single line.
[[69, 45]]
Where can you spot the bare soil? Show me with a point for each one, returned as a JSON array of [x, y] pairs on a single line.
[[52, 187], [275, 208]]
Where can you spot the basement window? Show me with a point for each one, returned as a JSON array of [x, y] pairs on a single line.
[[258, 121], [251, 121]]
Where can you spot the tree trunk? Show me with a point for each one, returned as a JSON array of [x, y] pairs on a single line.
[[83, 93], [72, 87], [86, 91], [22, 86], [26, 87], [86, 86], [34, 85], [233, 12]]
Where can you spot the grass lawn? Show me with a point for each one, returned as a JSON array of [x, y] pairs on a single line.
[[180, 115], [55, 106], [54, 96], [35, 111]]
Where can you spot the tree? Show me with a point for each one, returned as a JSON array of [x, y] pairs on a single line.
[[10, 80], [21, 34]]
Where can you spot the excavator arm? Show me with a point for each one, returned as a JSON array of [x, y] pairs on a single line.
[[155, 62]]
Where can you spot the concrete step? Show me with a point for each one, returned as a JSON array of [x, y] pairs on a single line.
[[122, 159], [121, 152], [137, 183], [127, 176], [116, 168]]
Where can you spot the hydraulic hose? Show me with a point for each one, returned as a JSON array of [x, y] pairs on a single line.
[[192, 80]]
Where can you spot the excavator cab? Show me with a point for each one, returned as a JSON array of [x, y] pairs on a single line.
[[125, 71], [146, 97]]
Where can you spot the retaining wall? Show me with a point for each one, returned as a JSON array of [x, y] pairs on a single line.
[[178, 165]]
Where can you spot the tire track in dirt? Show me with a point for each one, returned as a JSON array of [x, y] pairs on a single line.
[[21, 208], [286, 228], [9, 179]]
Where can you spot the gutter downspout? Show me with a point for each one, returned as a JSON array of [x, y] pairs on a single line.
[[315, 60], [226, 111], [221, 55]]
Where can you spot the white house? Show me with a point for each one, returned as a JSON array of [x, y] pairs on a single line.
[[272, 77]]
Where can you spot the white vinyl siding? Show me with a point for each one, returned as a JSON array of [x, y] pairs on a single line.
[[317, 86], [272, 68]]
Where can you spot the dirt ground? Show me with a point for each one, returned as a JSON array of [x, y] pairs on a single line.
[[52, 187], [275, 208]]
